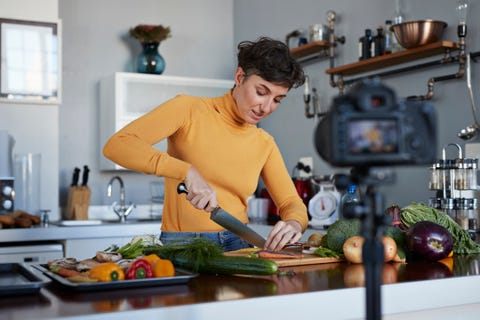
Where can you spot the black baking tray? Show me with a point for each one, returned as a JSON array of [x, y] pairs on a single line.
[[19, 279], [180, 277]]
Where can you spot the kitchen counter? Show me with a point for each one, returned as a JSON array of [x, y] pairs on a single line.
[[104, 230], [417, 290], [58, 233]]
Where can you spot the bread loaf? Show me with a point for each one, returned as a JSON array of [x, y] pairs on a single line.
[[23, 214], [22, 222], [7, 221]]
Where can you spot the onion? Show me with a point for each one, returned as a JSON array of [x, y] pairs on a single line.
[[429, 240], [352, 249], [389, 248], [315, 239]]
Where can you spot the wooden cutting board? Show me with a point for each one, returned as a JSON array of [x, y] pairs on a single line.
[[303, 259]]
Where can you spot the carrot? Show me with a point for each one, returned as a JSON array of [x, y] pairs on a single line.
[[268, 254], [81, 279], [64, 272]]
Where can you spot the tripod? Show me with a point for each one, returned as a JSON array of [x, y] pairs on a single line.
[[370, 211]]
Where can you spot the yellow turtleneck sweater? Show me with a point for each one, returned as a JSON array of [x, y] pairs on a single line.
[[229, 153]]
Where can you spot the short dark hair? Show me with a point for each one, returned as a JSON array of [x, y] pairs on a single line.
[[271, 60]]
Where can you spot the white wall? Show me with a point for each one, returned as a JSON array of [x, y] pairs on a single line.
[[96, 44], [294, 132], [35, 127]]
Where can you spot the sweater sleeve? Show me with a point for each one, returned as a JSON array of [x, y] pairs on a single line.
[[133, 146], [282, 190]]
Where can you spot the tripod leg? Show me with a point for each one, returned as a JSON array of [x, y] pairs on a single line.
[[373, 261]]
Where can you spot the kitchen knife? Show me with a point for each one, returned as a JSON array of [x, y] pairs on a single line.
[[86, 170], [231, 223], [76, 174]]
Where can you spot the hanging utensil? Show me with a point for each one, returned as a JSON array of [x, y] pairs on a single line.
[[472, 131]]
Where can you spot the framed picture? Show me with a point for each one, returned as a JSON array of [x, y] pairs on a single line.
[[30, 61]]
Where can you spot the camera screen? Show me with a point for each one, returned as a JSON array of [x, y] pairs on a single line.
[[379, 136]]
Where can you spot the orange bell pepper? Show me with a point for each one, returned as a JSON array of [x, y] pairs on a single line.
[[163, 268], [151, 258]]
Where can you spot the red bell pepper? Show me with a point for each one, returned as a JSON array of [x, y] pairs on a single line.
[[139, 269]]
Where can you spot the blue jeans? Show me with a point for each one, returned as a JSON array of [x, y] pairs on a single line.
[[225, 239]]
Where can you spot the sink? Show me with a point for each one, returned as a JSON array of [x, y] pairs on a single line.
[[79, 223], [130, 221], [76, 223]]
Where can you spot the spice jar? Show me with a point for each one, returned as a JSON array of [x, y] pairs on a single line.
[[436, 181], [473, 215], [448, 207], [471, 174], [465, 176], [435, 203], [462, 212]]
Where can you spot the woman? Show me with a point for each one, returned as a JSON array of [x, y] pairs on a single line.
[[216, 149]]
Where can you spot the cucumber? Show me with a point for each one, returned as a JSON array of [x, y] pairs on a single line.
[[229, 265]]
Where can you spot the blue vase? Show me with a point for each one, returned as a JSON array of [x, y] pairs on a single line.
[[149, 60]]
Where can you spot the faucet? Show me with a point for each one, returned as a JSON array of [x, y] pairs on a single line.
[[121, 210]]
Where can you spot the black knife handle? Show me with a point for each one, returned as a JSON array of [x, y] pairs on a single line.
[[86, 170], [182, 188], [76, 174]]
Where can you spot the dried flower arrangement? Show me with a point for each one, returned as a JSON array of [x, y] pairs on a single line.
[[149, 33]]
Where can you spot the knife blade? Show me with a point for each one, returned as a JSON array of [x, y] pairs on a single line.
[[229, 222]]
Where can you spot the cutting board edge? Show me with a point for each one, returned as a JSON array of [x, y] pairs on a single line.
[[306, 259]]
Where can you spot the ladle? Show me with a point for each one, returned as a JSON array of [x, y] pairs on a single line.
[[473, 130]]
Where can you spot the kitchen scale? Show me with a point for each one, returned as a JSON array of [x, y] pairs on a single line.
[[324, 206]]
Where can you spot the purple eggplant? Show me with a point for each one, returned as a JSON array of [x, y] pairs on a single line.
[[429, 240]]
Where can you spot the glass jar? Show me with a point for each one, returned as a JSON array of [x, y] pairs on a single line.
[[473, 215], [435, 203], [472, 173], [448, 207], [436, 182], [462, 212], [459, 177]]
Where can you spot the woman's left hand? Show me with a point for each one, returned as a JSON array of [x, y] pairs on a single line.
[[283, 233]]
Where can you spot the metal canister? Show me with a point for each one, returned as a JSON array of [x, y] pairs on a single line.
[[319, 32]]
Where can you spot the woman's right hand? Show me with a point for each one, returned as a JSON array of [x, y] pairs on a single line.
[[200, 194]]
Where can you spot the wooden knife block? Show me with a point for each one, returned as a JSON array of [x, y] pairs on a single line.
[[78, 203]]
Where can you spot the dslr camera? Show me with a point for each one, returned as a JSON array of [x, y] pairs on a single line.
[[369, 127]]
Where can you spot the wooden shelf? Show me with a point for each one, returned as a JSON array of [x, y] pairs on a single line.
[[309, 49], [393, 59]]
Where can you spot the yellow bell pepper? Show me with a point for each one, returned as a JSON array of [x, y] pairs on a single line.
[[105, 272]]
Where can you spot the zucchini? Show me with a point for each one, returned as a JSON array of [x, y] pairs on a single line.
[[203, 256], [229, 265]]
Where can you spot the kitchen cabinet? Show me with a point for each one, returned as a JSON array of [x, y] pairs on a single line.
[[31, 253], [126, 96]]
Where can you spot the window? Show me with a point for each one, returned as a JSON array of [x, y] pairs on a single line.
[[29, 60]]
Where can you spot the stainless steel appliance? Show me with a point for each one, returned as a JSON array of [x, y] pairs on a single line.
[[6, 176], [31, 253], [6, 194]]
